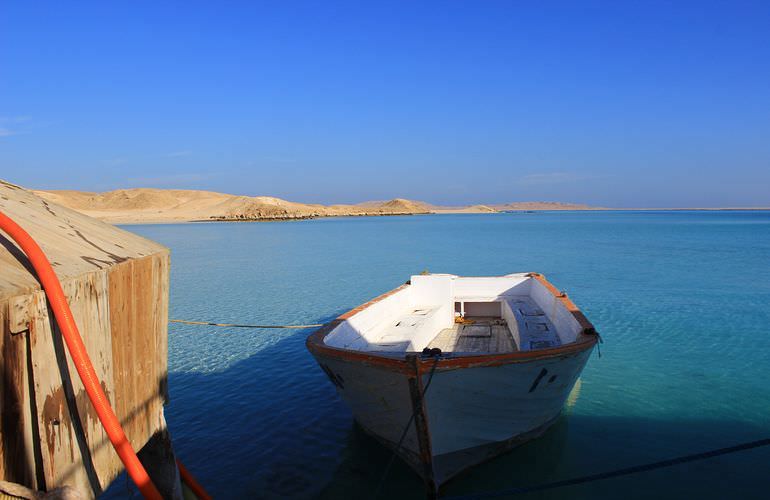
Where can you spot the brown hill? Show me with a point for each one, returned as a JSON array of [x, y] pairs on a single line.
[[148, 205], [473, 209], [402, 206], [177, 205]]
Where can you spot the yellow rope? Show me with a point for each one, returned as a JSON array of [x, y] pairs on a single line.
[[232, 325]]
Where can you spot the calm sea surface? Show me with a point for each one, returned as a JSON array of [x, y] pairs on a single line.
[[682, 300]]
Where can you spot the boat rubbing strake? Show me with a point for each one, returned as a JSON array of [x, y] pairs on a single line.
[[512, 347]]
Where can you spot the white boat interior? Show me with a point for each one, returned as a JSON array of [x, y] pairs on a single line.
[[460, 315]]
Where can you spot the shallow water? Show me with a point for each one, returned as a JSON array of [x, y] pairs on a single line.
[[682, 300]]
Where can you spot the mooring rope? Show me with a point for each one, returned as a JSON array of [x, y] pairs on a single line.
[[436, 356], [233, 325], [617, 472]]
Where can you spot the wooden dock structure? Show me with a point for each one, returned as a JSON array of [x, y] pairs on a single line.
[[117, 286]]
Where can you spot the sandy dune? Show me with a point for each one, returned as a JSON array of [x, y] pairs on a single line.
[[148, 205], [473, 209], [542, 205]]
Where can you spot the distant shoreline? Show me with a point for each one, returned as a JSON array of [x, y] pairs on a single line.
[[176, 206], [718, 209], [128, 222]]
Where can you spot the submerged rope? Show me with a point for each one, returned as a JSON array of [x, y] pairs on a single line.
[[619, 472], [233, 325]]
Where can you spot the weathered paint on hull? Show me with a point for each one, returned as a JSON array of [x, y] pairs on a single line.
[[471, 414], [478, 406], [475, 414], [379, 400]]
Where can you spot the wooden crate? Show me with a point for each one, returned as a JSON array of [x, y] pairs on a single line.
[[117, 286]]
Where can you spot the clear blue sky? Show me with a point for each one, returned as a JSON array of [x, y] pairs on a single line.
[[614, 103]]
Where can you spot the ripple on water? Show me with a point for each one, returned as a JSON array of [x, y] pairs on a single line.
[[681, 300]]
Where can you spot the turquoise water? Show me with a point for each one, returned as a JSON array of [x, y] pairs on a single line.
[[682, 300]]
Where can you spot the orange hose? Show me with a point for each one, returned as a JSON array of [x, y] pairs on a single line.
[[191, 483], [77, 349]]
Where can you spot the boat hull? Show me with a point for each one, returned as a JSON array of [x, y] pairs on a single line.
[[443, 413], [475, 414], [468, 414]]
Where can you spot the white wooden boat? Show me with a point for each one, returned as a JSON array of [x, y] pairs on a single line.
[[511, 349]]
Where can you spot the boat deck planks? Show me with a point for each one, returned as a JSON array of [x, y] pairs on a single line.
[[484, 335]]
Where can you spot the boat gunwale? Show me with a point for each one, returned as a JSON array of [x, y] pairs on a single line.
[[586, 339]]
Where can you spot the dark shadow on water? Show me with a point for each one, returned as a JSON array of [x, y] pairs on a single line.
[[581, 445], [272, 426]]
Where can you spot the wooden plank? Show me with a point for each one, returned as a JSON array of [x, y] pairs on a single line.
[[502, 340], [138, 316], [445, 340], [76, 450], [161, 290], [18, 314], [74, 243], [493, 338], [17, 453], [90, 308], [479, 330], [119, 319], [471, 342]]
